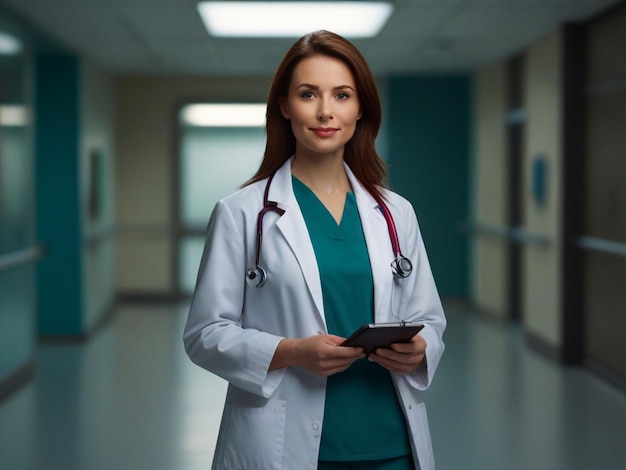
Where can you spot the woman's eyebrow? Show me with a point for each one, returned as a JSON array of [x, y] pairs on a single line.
[[315, 87], [307, 85]]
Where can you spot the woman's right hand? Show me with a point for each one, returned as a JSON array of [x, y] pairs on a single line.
[[320, 354]]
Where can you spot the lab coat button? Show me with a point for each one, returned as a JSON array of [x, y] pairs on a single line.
[[315, 426], [410, 407]]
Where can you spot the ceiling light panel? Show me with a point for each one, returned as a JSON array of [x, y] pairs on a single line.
[[293, 19], [224, 115], [14, 116], [9, 45]]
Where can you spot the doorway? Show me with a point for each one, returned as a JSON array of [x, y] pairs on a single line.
[[515, 121], [216, 157]]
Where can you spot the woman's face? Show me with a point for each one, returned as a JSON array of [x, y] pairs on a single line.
[[322, 105]]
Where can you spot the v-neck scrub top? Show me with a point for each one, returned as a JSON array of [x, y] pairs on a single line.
[[362, 416]]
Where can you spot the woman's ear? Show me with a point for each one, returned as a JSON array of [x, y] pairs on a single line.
[[282, 103]]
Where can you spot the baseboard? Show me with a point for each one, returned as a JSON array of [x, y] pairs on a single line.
[[150, 297], [457, 302], [543, 347], [93, 330], [613, 378], [490, 316], [16, 380]]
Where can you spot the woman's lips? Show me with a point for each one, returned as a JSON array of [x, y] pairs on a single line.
[[325, 131]]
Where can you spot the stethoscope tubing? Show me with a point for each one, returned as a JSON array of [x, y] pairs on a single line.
[[268, 206], [401, 266], [391, 226]]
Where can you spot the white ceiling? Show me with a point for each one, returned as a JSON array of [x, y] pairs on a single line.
[[168, 37]]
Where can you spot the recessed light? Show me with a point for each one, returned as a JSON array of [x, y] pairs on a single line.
[[293, 19]]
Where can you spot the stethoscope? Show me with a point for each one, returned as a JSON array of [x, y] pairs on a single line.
[[401, 266]]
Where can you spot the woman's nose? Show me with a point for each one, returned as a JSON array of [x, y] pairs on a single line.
[[325, 111]]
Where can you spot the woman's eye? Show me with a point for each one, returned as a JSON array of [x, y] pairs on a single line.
[[307, 95], [342, 96]]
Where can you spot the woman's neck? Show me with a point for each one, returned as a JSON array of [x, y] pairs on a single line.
[[326, 174]]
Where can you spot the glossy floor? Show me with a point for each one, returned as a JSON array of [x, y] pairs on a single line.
[[130, 399]]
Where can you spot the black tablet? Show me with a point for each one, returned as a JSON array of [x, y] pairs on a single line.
[[381, 335]]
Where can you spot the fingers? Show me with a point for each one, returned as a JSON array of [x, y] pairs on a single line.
[[396, 362], [402, 357], [323, 356], [330, 366]]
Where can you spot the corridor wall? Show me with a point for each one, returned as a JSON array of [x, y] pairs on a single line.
[[542, 277], [540, 233], [427, 126], [97, 193], [18, 245], [604, 228], [489, 202], [74, 147], [56, 249], [572, 236]]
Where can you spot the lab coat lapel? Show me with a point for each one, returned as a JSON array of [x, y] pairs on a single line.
[[293, 227], [378, 247]]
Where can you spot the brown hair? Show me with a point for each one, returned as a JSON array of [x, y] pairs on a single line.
[[360, 152]]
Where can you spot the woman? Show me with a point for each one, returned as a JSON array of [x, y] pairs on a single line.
[[295, 399]]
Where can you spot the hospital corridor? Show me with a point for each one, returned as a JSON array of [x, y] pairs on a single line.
[[124, 123]]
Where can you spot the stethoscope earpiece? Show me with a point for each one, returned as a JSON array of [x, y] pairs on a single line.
[[256, 277]]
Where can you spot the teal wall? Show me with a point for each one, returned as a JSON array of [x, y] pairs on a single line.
[[57, 140], [427, 126]]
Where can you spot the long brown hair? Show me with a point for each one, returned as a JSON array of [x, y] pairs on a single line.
[[360, 152]]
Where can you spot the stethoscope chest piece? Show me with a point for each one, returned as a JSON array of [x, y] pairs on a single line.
[[256, 277], [402, 267]]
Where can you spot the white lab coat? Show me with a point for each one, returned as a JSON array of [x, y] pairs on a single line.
[[273, 420]]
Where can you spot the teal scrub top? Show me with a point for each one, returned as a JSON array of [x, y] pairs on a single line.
[[362, 416]]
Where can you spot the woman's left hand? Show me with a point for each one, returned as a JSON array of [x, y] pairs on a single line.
[[402, 358]]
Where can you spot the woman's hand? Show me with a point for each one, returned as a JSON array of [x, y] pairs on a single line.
[[320, 354], [402, 358]]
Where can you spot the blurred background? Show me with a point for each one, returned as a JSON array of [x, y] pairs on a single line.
[[504, 124]]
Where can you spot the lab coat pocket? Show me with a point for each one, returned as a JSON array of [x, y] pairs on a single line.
[[418, 424], [253, 437]]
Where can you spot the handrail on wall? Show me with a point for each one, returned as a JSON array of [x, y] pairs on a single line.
[[514, 234], [602, 245], [18, 258], [519, 235]]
